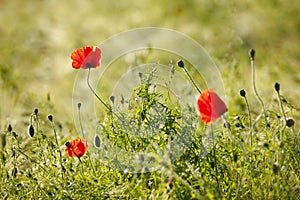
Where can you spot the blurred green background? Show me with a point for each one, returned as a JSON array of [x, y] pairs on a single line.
[[38, 36]]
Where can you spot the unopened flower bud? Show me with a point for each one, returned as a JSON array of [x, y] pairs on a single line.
[[290, 122], [252, 54], [79, 105], [277, 87], [31, 130], [180, 63], [36, 111], [243, 93], [9, 128], [68, 144], [15, 135], [50, 117], [112, 98], [97, 141], [140, 74]]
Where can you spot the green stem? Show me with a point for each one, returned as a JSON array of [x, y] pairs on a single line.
[[83, 135], [256, 93], [194, 83], [251, 137], [80, 123], [98, 97], [215, 157], [56, 140], [93, 91], [281, 106]]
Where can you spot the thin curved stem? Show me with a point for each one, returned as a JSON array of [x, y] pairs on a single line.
[[80, 123], [254, 86], [257, 95], [57, 144], [194, 83], [250, 122], [98, 97], [281, 107], [93, 91]]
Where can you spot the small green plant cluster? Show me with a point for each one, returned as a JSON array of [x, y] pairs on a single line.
[[156, 148]]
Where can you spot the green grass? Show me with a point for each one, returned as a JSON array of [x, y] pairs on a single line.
[[35, 72], [180, 160]]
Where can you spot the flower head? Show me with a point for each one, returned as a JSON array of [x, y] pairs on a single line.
[[76, 148], [210, 106], [86, 57]]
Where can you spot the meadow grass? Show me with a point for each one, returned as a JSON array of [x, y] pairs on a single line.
[[241, 161]]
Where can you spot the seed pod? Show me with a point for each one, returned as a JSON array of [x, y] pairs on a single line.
[[31, 130]]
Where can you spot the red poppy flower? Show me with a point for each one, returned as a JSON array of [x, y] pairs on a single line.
[[86, 57], [210, 106], [76, 148]]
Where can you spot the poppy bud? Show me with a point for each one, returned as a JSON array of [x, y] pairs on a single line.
[[68, 144], [140, 74], [79, 105], [277, 87], [290, 122], [180, 63], [112, 98], [252, 54], [36, 111], [243, 93], [9, 128], [50, 117], [15, 135], [97, 141], [31, 130]]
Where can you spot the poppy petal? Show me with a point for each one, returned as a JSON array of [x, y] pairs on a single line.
[[210, 106], [77, 148], [86, 57]]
